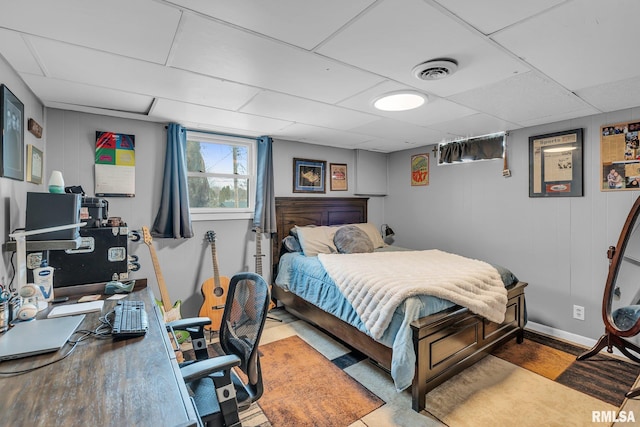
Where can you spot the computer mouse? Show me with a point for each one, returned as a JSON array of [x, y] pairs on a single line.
[[115, 287]]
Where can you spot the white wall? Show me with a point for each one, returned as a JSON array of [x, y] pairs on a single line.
[[557, 245], [13, 193]]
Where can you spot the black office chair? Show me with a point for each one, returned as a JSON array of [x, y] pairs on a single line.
[[219, 392]]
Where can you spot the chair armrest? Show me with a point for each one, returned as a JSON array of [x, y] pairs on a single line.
[[207, 367], [189, 322]]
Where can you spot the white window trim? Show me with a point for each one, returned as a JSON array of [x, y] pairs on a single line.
[[209, 214]]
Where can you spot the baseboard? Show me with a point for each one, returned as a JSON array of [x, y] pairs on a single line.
[[567, 336]]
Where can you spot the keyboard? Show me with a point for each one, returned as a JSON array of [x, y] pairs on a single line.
[[130, 319]]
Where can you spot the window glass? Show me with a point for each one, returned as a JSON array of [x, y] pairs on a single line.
[[221, 173]]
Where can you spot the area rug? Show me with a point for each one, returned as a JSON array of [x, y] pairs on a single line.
[[303, 388], [494, 392]]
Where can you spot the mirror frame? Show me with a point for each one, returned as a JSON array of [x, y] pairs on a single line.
[[614, 267]]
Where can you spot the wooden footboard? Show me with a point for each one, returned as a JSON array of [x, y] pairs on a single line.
[[446, 343]]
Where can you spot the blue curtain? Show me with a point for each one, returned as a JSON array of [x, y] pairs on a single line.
[[173, 219], [265, 212]]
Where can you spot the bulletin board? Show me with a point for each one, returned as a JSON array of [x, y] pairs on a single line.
[[620, 156]]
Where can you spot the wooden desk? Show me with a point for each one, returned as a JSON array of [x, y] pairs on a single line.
[[133, 382]]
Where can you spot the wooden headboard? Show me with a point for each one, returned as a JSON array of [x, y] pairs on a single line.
[[301, 211]]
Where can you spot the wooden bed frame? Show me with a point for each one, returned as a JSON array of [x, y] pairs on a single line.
[[445, 343]]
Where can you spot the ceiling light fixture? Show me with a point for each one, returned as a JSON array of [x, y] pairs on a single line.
[[399, 101], [436, 69]]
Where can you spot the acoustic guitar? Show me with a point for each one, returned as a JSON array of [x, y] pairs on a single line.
[[172, 313], [214, 290]]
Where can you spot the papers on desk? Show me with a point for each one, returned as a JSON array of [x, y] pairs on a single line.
[[79, 308]]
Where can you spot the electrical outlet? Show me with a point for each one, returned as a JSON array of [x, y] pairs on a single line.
[[578, 312]]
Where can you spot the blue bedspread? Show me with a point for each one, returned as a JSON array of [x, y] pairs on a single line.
[[305, 277]]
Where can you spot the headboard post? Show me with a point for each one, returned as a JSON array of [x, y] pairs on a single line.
[[302, 211]]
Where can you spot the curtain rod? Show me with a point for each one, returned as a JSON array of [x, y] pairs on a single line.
[[218, 133]]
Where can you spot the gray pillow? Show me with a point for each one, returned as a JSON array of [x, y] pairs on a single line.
[[351, 239], [291, 244]]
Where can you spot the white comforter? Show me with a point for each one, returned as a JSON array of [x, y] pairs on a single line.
[[376, 283]]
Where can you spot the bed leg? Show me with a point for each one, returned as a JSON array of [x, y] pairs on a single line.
[[520, 336]]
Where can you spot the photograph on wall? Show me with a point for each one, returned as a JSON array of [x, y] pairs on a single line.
[[555, 164], [115, 162], [338, 173], [309, 176], [12, 136], [620, 156], [420, 169]]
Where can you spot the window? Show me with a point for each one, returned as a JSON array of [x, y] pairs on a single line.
[[221, 176], [472, 149]]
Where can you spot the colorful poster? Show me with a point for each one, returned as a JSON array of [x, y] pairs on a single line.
[[620, 156], [420, 169], [115, 164]]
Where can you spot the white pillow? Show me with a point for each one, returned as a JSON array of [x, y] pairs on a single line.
[[317, 240], [373, 233]]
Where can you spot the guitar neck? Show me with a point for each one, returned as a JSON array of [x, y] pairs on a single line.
[[214, 261], [164, 295], [258, 252]]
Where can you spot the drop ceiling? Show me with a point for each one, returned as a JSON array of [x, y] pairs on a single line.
[[308, 70]]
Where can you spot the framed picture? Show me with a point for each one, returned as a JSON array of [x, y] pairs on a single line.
[[12, 143], [420, 169], [555, 164], [34, 164], [309, 176], [620, 156], [338, 173]]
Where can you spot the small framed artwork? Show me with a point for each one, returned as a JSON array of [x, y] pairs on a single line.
[[12, 142], [555, 164], [309, 176], [620, 156], [420, 169], [338, 173], [34, 164]]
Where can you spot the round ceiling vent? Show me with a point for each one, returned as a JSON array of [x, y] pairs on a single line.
[[435, 70]]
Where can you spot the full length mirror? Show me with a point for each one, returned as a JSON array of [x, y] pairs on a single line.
[[624, 297], [621, 300]]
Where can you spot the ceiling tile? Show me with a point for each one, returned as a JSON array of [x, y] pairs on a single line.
[[303, 24], [475, 125], [86, 95], [395, 36], [399, 131], [16, 50], [139, 29], [434, 111], [137, 76], [215, 118], [300, 110], [211, 48], [537, 98], [576, 43], [319, 135], [489, 16], [613, 96]]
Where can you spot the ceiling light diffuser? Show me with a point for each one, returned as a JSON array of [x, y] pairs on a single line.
[[399, 101]]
